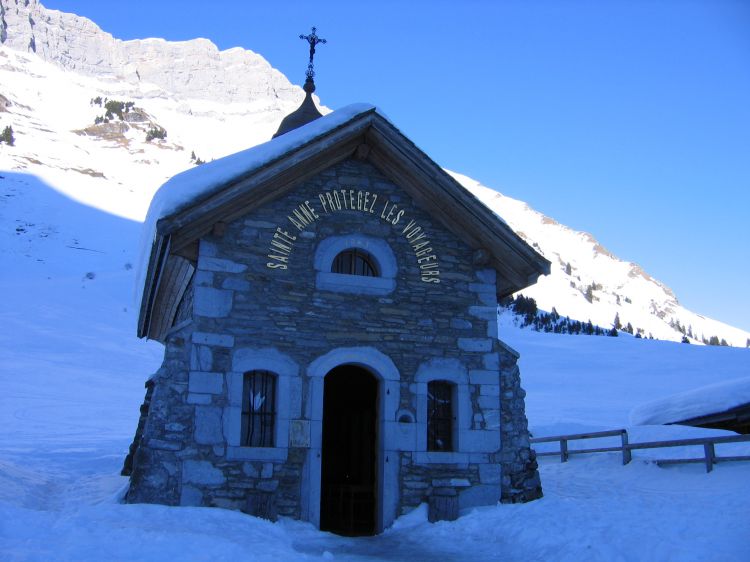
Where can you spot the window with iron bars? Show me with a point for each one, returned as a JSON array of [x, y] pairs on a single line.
[[355, 262], [258, 409], [439, 416]]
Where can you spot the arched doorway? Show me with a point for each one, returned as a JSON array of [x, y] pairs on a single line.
[[348, 499]]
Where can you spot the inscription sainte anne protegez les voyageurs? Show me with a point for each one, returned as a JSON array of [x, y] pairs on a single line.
[[332, 201]]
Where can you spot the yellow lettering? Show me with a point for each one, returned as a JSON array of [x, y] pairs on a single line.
[[408, 226], [414, 232], [310, 211], [385, 206], [271, 265], [285, 234], [300, 217], [298, 225]]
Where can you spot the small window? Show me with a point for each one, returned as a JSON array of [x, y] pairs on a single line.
[[258, 409], [439, 416], [355, 262]]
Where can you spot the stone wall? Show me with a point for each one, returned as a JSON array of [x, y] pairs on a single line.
[[264, 304]]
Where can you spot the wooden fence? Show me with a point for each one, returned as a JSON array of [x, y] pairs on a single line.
[[709, 447]]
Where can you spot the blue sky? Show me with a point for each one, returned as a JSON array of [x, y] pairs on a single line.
[[627, 119]]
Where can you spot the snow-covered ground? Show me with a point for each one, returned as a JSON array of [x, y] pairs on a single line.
[[71, 382]]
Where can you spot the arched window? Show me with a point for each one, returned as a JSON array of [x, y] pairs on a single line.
[[258, 409], [355, 261], [440, 416]]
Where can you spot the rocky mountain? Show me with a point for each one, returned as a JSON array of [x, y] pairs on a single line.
[[106, 122]]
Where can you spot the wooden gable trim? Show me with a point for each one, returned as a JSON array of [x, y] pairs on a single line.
[[159, 252], [175, 278]]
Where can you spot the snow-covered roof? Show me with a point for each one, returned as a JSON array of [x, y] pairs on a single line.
[[702, 401], [194, 184]]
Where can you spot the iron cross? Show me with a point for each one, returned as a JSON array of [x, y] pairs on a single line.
[[313, 39]]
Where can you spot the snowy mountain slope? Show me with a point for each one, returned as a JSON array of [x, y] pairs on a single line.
[[615, 287], [212, 104], [186, 69]]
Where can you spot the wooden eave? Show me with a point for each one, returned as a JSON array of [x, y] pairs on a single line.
[[394, 155]]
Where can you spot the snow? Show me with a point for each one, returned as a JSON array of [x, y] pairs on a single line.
[[71, 383], [72, 372], [711, 399]]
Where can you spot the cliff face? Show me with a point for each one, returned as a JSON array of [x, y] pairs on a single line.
[[193, 69]]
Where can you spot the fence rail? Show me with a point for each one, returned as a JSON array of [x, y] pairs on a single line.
[[709, 447]]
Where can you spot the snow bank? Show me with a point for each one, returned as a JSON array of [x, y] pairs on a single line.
[[702, 401]]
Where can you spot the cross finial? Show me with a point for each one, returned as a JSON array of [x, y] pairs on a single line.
[[313, 39]]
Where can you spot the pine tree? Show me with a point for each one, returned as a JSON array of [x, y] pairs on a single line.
[[685, 339], [617, 324], [589, 295], [568, 269], [7, 136]]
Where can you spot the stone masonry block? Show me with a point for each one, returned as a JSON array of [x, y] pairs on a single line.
[[206, 383], [489, 473], [199, 399], [489, 390], [208, 428], [201, 472], [201, 358], [218, 340], [487, 276], [491, 361], [220, 265], [475, 344], [212, 303], [484, 377], [460, 324], [234, 284]]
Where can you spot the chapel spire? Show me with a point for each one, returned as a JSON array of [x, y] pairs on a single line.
[[306, 112]]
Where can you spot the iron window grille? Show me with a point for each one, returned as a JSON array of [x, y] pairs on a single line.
[[258, 409], [355, 262], [439, 416]]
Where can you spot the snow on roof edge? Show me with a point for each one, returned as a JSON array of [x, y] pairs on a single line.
[[702, 401]]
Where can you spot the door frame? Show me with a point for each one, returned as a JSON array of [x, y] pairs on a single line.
[[386, 448]]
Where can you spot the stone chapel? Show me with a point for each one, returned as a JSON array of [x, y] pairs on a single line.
[[328, 306]]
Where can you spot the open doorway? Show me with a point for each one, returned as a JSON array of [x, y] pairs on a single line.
[[348, 503]]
